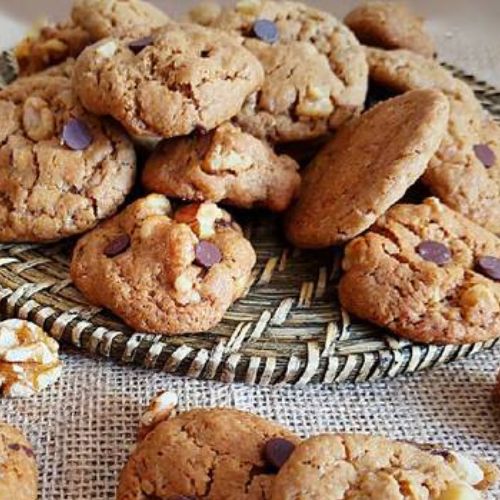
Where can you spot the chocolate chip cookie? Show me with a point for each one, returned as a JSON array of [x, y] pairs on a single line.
[[316, 73], [352, 466], [366, 168], [226, 165], [390, 25], [19, 474], [61, 169], [181, 79], [204, 454], [426, 273], [165, 272]]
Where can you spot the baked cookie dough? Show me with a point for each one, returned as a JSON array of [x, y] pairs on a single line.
[[61, 169], [426, 273], [367, 167], [204, 454], [226, 165], [18, 470], [390, 25], [164, 272], [181, 79], [356, 466], [316, 72]]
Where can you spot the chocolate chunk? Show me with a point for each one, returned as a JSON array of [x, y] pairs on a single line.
[[277, 451], [117, 246], [138, 45], [207, 254], [489, 266], [434, 251], [266, 30], [14, 446], [485, 155], [76, 135], [28, 451]]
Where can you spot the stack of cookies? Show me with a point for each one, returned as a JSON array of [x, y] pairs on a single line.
[[230, 105]]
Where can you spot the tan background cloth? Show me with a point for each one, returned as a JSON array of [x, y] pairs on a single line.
[[83, 427]]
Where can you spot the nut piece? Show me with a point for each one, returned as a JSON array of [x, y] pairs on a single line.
[[161, 408], [29, 359], [38, 120], [466, 468], [460, 491], [201, 217]]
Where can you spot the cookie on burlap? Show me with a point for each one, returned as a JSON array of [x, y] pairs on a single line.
[[426, 273], [204, 454], [367, 167], [316, 73], [465, 172], [183, 78], [165, 272], [18, 469], [357, 466], [225, 165], [61, 169], [390, 25]]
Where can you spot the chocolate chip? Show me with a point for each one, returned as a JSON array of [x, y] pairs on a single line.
[[76, 135], [277, 451], [138, 45], [489, 266], [117, 246], [266, 30], [485, 155], [14, 446], [207, 254], [28, 451], [434, 251]]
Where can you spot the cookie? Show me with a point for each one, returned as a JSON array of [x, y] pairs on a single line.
[[225, 165], [61, 169], [351, 466], [426, 273], [367, 167], [390, 25], [203, 454], [465, 172], [316, 73], [19, 474], [496, 390], [165, 272], [184, 78]]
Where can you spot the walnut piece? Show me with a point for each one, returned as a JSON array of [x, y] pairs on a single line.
[[161, 408], [201, 218]]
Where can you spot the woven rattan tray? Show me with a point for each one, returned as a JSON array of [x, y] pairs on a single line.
[[289, 328]]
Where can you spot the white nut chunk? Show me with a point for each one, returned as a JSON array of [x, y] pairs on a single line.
[[161, 408], [29, 359]]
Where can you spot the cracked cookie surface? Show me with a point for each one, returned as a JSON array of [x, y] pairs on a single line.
[[316, 72], [208, 454], [49, 191], [367, 167], [226, 165], [18, 469], [167, 273], [184, 78], [389, 282]]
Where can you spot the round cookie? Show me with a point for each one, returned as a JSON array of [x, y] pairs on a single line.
[[427, 274], [61, 169], [316, 73], [366, 168], [225, 165], [165, 273], [18, 469], [184, 78], [390, 25], [204, 454], [356, 466]]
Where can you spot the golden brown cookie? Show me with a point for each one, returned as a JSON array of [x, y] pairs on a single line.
[[165, 272], [390, 25], [183, 78], [61, 169], [367, 167], [226, 165], [18, 470], [316, 73], [210, 454], [426, 273]]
